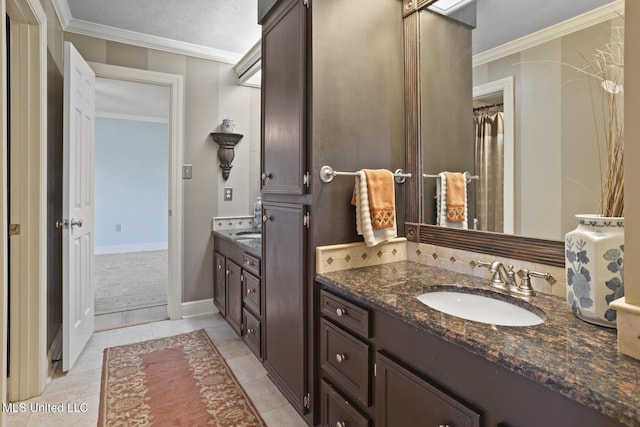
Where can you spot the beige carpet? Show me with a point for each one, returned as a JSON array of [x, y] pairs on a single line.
[[130, 281]]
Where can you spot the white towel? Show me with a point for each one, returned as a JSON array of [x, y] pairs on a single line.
[[441, 205], [372, 237]]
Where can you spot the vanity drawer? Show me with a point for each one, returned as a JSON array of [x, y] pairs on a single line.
[[346, 361], [338, 411], [251, 292], [251, 264], [252, 332], [345, 314]]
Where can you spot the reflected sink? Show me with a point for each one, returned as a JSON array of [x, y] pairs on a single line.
[[249, 242], [249, 234], [457, 302]]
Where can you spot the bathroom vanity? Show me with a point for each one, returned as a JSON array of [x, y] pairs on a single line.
[[237, 288], [386, 359]]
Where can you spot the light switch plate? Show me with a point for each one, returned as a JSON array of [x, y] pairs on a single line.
[[228, 193], [187, 171]]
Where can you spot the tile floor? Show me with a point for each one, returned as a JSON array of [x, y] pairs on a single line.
[[79, 388]]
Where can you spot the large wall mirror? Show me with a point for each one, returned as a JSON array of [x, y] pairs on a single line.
[[498, 93]]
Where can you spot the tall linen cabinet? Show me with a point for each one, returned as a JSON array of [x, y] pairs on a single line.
[[332, 94]]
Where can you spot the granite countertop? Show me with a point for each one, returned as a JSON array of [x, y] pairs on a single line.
[[242, 237], [575, 358]]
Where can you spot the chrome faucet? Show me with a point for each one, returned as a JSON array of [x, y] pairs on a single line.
[[504, 278]]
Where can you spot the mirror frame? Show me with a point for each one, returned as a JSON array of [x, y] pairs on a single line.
[[548, 252]]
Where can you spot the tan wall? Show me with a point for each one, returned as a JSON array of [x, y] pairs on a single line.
[[632, 152], [556, 144], [211, 94]]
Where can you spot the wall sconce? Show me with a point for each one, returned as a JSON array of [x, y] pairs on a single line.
[[227, 141]]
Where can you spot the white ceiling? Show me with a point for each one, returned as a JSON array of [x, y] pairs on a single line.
[[221, 30]]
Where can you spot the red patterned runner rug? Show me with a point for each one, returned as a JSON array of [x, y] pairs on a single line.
[[175, 381]]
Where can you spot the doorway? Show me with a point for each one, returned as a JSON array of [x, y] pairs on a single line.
[[138, 247], [501, 93], [131, 202]]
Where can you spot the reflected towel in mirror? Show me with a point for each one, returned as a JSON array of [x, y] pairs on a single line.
[[451, 200]]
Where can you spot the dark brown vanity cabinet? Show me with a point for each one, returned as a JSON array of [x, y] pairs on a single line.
[[403, 398], [227, 290], [284, 99], [237, 291], [220, 282], [285, 300], [360, 384], [345, 360]]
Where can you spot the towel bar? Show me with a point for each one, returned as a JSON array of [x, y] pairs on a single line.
[[467, 175], [327, 173]]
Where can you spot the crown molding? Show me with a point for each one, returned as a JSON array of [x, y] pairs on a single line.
[[553, 32], [85, 28]]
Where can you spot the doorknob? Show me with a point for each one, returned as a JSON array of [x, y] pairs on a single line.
[[76, 222]]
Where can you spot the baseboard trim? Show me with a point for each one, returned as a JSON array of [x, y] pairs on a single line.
[[134, 247], [198, 308]]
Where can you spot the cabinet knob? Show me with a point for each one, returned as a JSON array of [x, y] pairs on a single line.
[[266, 218], [219, 267], [341, 424], [250, 291], [249, 331], [341, 312], [341, 357], [266, 175], [444, 425]]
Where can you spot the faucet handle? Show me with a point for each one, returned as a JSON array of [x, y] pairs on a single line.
[[525, 287], [483, 264]]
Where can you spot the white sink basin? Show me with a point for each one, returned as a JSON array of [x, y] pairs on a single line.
[[480, 308]]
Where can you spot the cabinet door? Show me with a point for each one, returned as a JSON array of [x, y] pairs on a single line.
[[219, 283], [283, 99], [284, 317], [405, 399], [234, 296]]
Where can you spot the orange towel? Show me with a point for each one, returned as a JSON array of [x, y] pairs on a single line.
[[381, 198], [456, 183]]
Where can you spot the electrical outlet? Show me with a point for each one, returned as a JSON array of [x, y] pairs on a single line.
[[187, 171], [228, 193]]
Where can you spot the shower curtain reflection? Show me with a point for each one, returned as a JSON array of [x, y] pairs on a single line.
[[489, 158]]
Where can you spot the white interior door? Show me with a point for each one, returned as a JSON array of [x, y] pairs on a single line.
[[77, 244]]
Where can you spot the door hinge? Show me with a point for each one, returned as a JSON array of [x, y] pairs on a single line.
[[306, 400], [306, 179], [306, 3], [375, 370], [306, 221], [14, 229]]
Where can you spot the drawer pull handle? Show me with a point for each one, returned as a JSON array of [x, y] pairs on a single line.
[[341, 357], [250, 291], [250, 263], [341, 312], [249, 331], [444, 425], [341, 424]]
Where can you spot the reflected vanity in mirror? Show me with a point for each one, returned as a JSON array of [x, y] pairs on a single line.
[[517, 70]]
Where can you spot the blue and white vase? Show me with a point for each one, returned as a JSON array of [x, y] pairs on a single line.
[[594, 264]]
